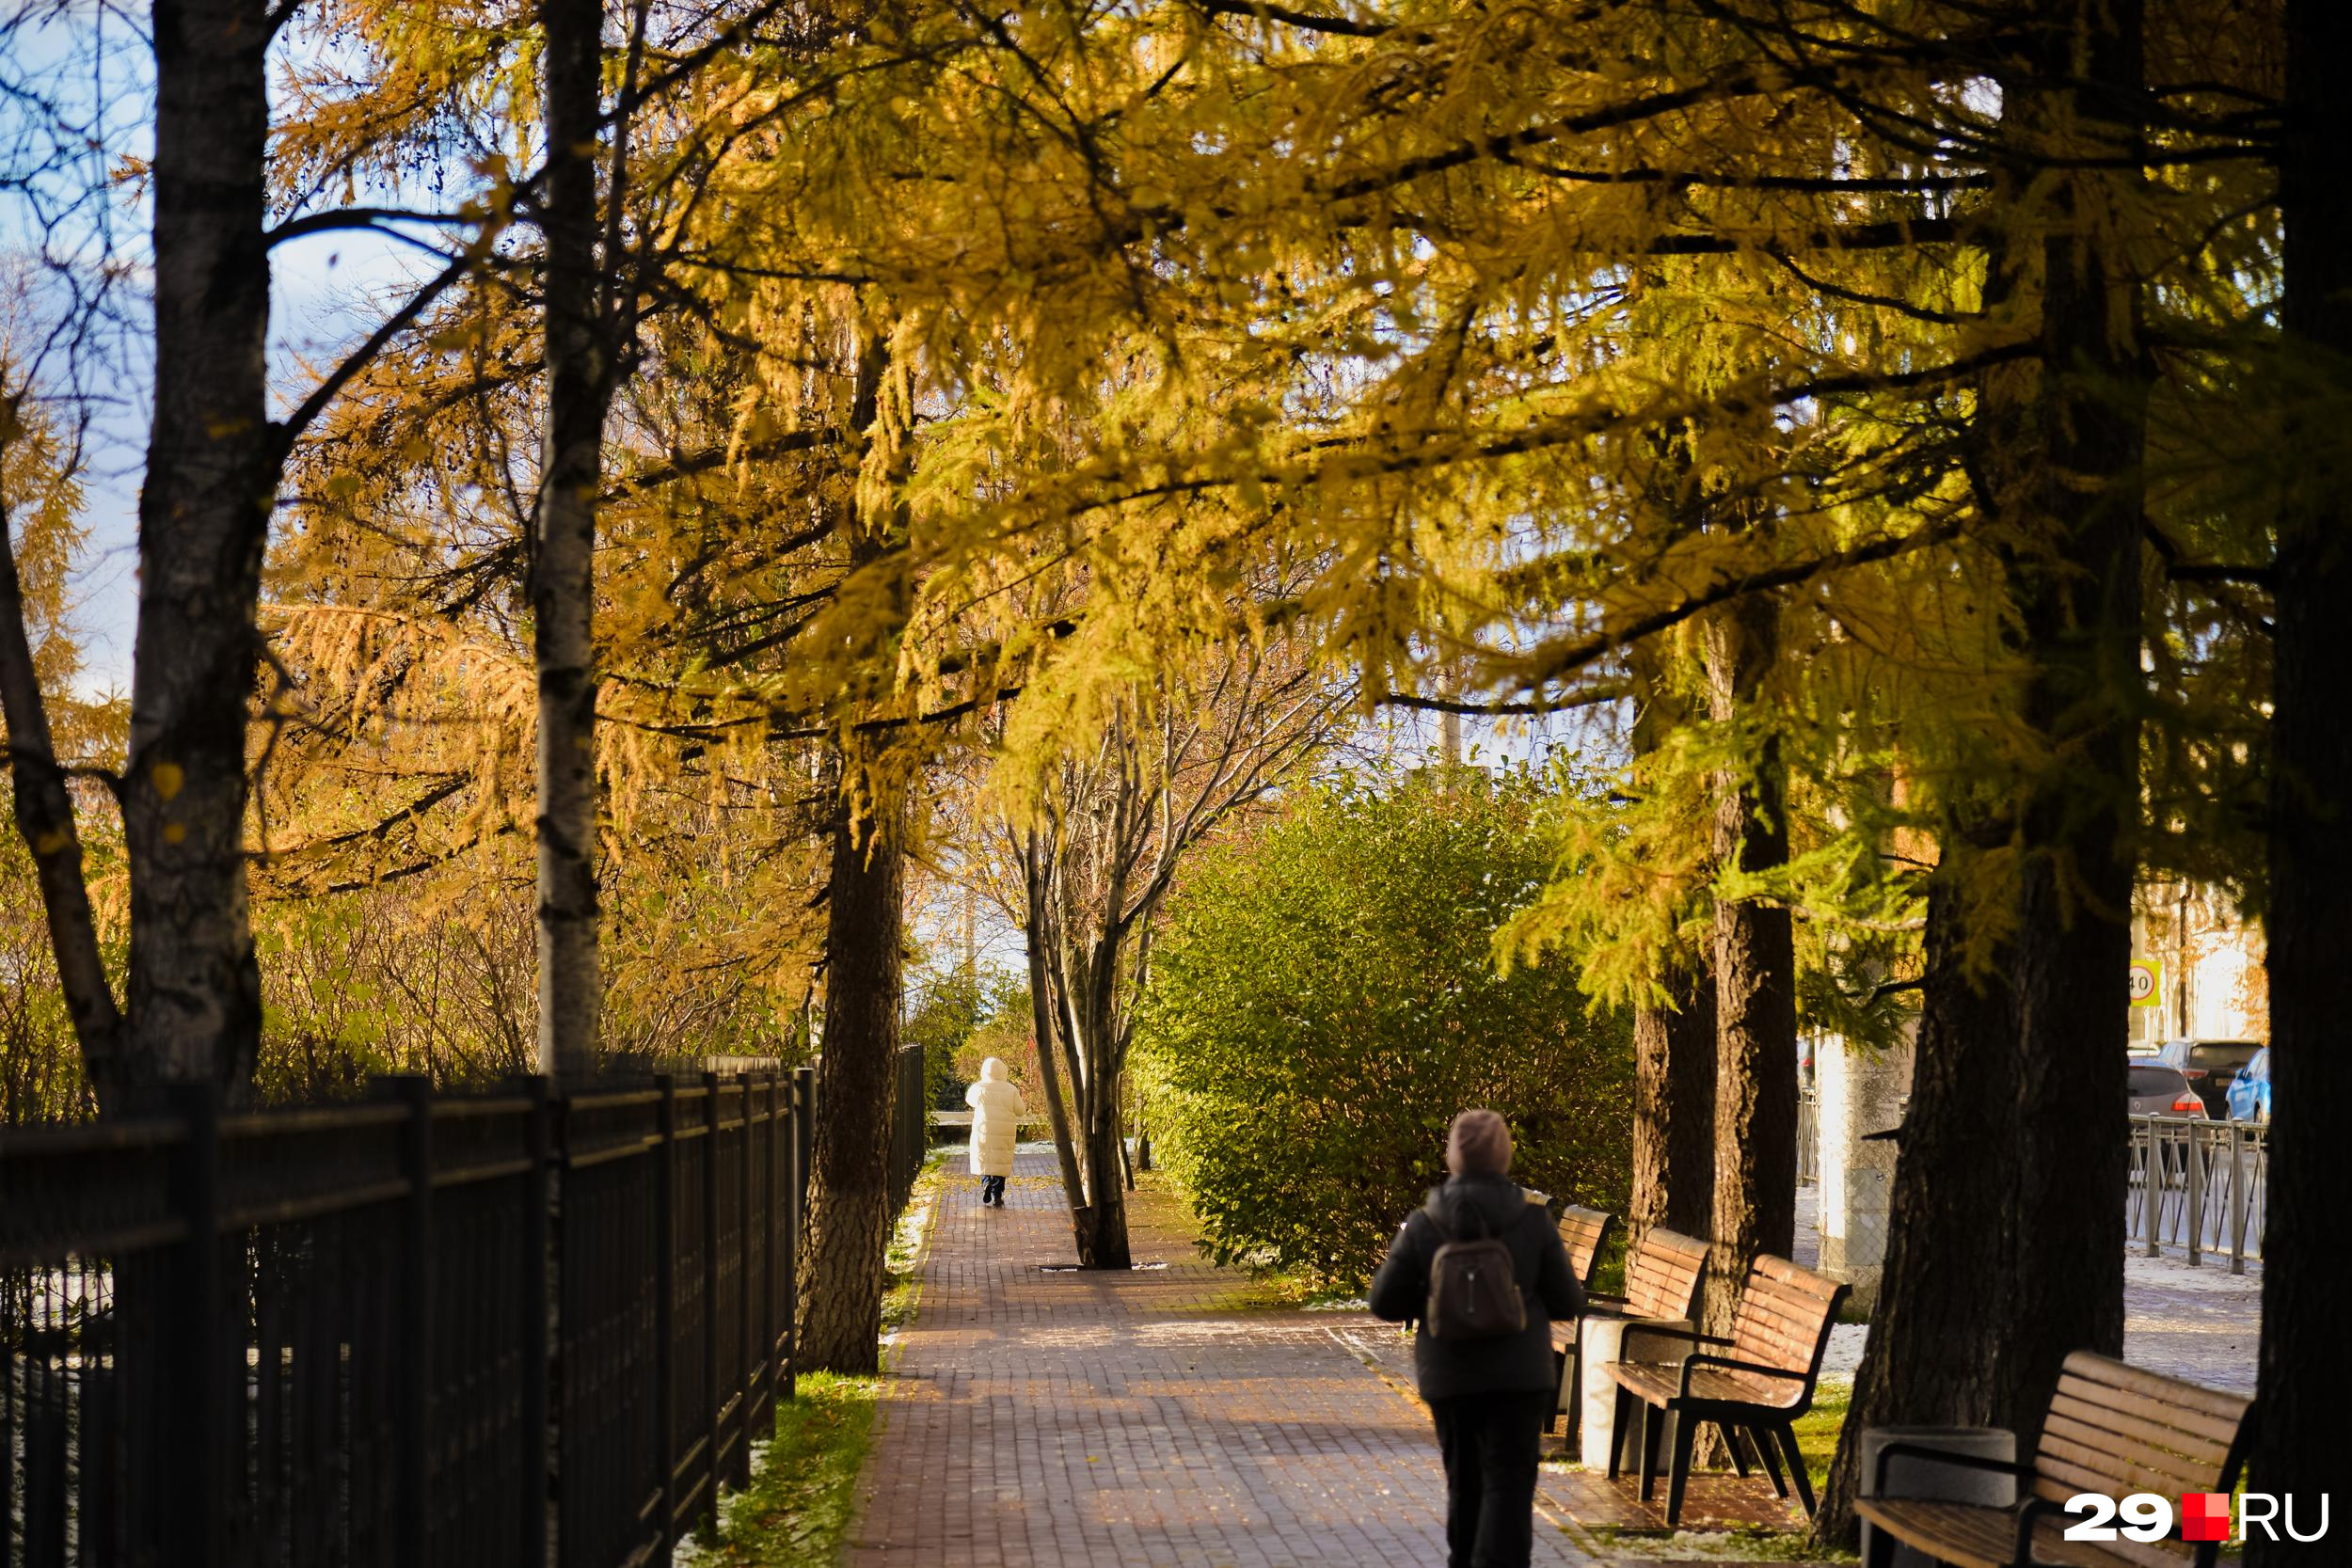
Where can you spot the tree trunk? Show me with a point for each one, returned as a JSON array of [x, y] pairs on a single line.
[[1755, 991], [2007, 1249], [562, 566], [1674, 1044], [2305, 1381], [1046, 1014], [848, 1211], [1073, 1000], [1673, 1111], [1102, 1238], [44, 814], [193, 998]]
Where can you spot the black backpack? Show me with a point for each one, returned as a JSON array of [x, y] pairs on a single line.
[[1474, 1285]]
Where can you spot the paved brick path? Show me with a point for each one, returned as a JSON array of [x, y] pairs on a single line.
[[1147, 1418], [1037, 1416]]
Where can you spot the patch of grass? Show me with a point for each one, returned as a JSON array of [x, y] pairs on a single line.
[[803, 1491], [1275, 1290], [1748, 1543], [1817, 1434], [901, 1290]]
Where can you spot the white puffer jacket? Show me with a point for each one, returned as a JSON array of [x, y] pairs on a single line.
[[996, 1119]]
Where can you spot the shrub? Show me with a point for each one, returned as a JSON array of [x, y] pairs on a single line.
[[959, 1018], [1326, 997]]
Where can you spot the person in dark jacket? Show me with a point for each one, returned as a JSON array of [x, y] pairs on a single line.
[[1491, 1397]]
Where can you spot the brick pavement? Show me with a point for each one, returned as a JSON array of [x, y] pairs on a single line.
[[1038, 1417]]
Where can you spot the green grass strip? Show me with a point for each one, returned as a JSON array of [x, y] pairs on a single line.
[[803, 1492]]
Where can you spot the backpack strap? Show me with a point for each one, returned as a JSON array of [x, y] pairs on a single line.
[[1446, 1232]]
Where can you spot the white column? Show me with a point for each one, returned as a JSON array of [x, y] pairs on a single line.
[[1859, 1094]]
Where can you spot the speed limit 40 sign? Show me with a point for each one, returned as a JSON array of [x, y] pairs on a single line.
[[2147, 982]]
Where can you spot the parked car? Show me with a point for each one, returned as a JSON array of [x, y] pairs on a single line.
[[2250, 1091], [2163, 1091], [2209, 1066]]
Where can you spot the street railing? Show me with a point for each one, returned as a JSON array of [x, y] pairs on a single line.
[[1808, 1136], [526, 1327], [2198, 1186]]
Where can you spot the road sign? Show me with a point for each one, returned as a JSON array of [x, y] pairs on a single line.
[[2147, 982]]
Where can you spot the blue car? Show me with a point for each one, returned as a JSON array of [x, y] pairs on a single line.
[[2250, 1091]]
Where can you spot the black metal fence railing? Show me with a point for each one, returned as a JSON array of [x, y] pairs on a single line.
[[2200, 1186], [521, 1328], [910, 1127]]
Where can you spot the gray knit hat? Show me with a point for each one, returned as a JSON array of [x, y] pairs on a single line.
[[1479, 1144]]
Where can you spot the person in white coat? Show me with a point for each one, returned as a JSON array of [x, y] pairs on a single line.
[[996, 1111]]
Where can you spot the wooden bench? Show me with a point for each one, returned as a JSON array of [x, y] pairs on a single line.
[[1585, 1233], [1661, 1281], [1761, 1386], [2113, 1429]]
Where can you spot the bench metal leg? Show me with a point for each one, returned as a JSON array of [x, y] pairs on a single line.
[[1880, 1552], [1618, 1432], [1686, 1431], [1767, 1451], [1737, 1451], [1649, 1451], [1572, 1385], [1787, 1436]]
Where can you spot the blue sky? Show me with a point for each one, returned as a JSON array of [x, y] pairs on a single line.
[[79, 109], [320, 289]]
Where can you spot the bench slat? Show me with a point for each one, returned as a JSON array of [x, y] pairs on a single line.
[[1585, 1233], [1662, 1278], [2194, 1457], [1975, 1537], [2126, 1472], [2193, 1425], [2105, 1371]]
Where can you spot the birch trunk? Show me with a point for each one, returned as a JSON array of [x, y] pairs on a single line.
[[563, 567]]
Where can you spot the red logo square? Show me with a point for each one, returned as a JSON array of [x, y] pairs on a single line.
[[2205, 1517]]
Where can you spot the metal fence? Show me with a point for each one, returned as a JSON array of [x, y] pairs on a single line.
[[2198, 1186], [520, 1328], [1808, 1136]]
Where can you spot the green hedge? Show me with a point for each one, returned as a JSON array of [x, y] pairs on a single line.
[[1326, 997]]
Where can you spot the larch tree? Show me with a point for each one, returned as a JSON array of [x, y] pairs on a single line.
[[2028, 935], [1753, 972], [1674, 1036], [849, 1218]]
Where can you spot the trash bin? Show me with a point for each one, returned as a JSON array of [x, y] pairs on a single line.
[[1603, 1337], [1925, 1480]]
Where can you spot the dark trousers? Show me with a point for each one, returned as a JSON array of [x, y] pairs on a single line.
[[1490, 1443], [991, 1188]]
